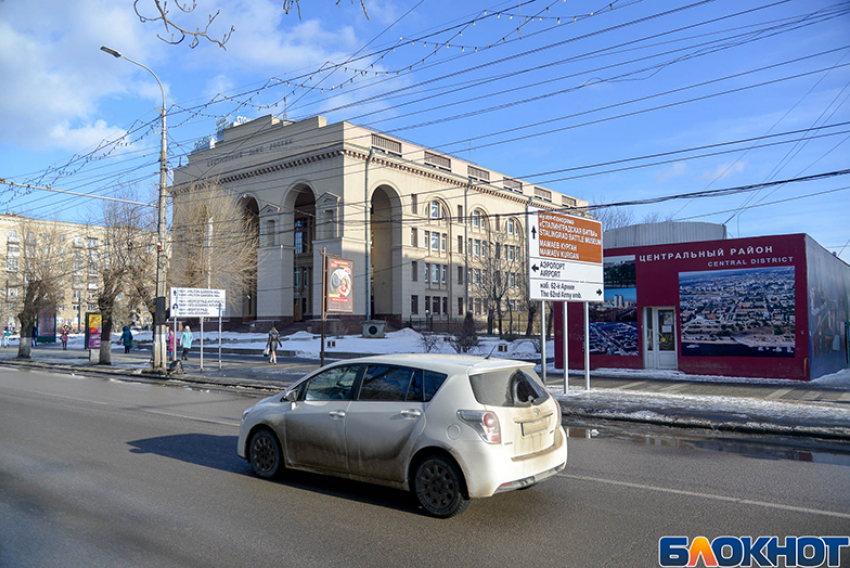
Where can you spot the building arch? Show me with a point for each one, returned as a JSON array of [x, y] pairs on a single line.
[[385, 251], [298, 234]]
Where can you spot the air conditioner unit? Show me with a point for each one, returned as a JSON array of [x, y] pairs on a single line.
[[373, 328]]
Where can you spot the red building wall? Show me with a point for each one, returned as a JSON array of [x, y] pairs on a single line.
[[723, 280]]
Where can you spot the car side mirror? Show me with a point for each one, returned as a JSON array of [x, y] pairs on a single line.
[[290, 396]]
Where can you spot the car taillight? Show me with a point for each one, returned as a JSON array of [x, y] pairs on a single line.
[[485, 423]]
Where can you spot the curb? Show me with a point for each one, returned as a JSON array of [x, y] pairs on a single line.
[[749, 423], [645, 413]]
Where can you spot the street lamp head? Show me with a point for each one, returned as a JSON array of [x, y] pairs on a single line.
[[110, 51]]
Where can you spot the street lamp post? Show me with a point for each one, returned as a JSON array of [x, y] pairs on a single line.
[[159, 313]]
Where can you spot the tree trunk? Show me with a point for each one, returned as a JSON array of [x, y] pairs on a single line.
[[106, 305], [25, 346]]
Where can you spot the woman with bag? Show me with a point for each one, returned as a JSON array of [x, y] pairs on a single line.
[[272, 344]]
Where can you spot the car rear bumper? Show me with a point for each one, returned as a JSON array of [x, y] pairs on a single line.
[[489, 470]]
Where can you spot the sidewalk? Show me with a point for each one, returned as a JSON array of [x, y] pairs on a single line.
[[786, 408]]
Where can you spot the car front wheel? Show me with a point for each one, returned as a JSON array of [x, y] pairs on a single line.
[[265, 454], [438, 486]]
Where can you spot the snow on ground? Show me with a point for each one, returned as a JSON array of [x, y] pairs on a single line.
[[409, 341]]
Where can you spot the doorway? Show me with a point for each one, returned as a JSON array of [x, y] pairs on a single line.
[[659, 338]]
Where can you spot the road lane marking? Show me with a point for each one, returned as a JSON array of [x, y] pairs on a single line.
[[711, 496], [778, 393]]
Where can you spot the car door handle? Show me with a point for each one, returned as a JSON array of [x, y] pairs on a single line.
[[337, 414], [411, 413]]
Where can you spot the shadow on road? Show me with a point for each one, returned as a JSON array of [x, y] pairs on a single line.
[[219, 452]]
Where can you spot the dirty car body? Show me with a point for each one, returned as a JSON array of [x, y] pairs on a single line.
[[448, 428]]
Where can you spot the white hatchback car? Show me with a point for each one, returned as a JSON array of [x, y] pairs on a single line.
[[449, 428]]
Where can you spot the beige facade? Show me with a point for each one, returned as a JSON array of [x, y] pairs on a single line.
[[444, 235], [69, 252]]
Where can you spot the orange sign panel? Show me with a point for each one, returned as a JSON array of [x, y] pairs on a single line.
[[569, 238]]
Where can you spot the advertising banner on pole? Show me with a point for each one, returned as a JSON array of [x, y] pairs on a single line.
[[338, 279], [94, 330]]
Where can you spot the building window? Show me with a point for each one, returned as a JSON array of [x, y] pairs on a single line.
[[435, 274], [427, 239], [460, 306], [460, 244], [512, 185], [427, 272], [476, 219], [460, 275], [435, 305], [444, 273], [443, 242], [271, 234], [414, 237], [296, 279], [437, 161], [511, 227], [435, 210], [476, 249], [386, 145], [413, 205], [414, 271], [477, 173], [446, 306], [435, 241], [460, 213], [414, 304]]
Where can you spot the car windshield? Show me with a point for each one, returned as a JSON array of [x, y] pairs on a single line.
[[510, 387]]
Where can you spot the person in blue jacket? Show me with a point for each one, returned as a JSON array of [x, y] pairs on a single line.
[[127, 339], [186, 341]]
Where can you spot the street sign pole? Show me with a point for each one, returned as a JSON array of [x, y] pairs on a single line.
[[543, 338], [566, 352], [586, 346]]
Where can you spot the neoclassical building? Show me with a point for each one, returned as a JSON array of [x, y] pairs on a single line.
[[440, 235]]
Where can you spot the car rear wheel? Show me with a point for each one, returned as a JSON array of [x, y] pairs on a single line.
[[438, 486], [265, 454]]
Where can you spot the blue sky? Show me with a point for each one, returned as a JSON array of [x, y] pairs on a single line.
[[541, 90]]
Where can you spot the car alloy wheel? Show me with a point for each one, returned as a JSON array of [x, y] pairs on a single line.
[[438, 486], [265, 454]]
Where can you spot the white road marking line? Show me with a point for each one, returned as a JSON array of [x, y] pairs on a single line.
[[735, 500], [778, 393]]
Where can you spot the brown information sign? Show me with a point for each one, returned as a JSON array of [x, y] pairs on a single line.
[[569, 238]]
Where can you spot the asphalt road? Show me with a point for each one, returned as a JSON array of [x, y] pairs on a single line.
[[110, 473]]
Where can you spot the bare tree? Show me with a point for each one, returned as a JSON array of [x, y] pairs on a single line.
[[126, 263], [501, 261], [176, 33], [613, 217], [287, 6], [214, 241], [41, 269]]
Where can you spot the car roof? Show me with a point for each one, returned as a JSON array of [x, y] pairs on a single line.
[[444, 363]]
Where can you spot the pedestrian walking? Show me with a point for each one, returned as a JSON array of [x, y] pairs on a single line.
[[64, 338], [272, 344], [127, 339], [7, 336], [186, 341], [35, 335], [171, 343]]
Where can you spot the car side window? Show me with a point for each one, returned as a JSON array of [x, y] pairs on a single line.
[[433, 382], [333, 384], [385, 382]]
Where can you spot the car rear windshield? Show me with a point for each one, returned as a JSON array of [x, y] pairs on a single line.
[[511, 387]]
